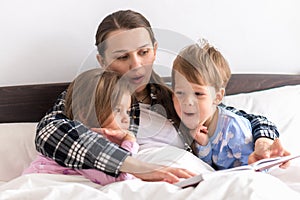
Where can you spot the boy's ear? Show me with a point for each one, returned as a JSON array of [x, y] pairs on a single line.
[[100, 60], [219, 96]]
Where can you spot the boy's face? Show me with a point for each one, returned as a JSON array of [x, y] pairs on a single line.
[[120, 117], [193, 102]]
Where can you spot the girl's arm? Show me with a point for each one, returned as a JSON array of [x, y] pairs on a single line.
[[73, 145]]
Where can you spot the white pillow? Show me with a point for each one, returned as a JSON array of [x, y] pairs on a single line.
[[280, 105], [17, 148]]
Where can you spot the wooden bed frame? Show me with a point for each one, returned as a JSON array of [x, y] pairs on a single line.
[[29, 103]]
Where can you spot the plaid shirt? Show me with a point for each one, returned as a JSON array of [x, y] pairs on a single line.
[[73, 145]]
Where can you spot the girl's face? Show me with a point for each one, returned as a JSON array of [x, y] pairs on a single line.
[[131, 53], [119, 119], [193, 103]]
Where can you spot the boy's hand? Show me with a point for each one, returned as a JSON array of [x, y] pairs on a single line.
[[267, 148], [201, 135]]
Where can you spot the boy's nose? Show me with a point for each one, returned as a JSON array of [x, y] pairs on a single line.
[[189, 101]]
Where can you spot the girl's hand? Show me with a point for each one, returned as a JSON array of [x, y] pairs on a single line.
[[115, 136], [201, 135]]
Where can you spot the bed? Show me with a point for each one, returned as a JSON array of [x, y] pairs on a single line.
[[275, 96]]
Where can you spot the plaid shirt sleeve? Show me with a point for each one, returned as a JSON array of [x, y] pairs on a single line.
[[261, 126], [73, 145]]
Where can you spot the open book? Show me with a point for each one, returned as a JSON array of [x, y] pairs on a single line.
[[258, 166]]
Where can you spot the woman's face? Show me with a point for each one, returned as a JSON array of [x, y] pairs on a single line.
[[131, 53]]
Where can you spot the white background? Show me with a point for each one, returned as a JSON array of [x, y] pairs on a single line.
[[46, 41]]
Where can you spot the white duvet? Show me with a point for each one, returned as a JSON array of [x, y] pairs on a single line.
[[234, 185]]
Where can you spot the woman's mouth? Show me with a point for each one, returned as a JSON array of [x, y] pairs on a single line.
[[137, 80]]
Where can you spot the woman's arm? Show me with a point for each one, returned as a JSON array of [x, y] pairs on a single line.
[[261, 126], [73, 145]]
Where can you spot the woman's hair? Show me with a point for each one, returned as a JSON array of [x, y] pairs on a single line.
[[123, 19], [196, 65], [92, 96]]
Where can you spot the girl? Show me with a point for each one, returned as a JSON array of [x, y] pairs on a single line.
[[85, 103]]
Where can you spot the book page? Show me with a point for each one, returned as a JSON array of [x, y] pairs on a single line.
[[258, 166]]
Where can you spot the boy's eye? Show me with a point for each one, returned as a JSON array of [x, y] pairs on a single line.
[[199, 93]]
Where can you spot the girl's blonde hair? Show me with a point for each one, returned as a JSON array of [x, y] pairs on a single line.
[[197, 66], [92, 96]]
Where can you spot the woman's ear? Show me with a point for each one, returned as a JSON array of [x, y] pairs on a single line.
[[100, 60], [155, 46], [219, 96]]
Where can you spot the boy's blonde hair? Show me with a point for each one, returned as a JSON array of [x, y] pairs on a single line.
[[92, 96], [220, 62], [197, 66]]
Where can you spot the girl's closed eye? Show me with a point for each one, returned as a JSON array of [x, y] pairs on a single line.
[[179, 93], [117, 110]]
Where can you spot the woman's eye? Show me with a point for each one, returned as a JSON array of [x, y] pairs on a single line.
[[124, 57], [144, 52]]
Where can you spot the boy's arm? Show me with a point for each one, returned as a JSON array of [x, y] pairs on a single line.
[[73, 145], [261, 126]]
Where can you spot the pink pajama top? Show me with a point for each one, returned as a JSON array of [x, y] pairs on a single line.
[[47, 165]]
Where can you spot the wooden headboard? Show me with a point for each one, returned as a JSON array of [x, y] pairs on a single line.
[[29, 103]]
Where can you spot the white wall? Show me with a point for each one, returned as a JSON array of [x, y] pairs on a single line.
[[45, 41]]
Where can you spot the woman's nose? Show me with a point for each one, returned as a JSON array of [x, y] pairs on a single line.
[[135, 61]]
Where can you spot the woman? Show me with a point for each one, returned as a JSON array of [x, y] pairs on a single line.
[[126, 44]]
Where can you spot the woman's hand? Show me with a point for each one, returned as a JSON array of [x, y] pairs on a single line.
[[267, 148], [115, 136], [153, 172], [201, 135]]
